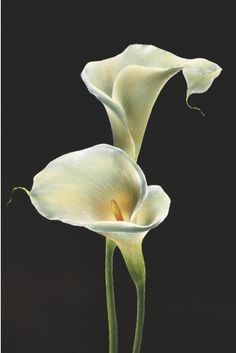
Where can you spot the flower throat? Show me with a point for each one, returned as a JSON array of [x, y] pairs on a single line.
[[116, 210]]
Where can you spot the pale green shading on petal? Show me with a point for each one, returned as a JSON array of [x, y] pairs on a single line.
[[129, 84], [136, 89]]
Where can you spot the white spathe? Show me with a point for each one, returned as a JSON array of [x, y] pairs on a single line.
[[128, 85], [78, 188]]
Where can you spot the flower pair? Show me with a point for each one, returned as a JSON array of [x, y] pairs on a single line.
[[78, 188], [102, 188]]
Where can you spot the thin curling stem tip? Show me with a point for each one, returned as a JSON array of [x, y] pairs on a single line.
[[13, 190], [194, 108]]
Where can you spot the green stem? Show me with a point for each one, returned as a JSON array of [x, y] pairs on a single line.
[[133, 256], [140, 288], [110, 296]]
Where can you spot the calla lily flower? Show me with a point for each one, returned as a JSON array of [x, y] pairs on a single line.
[[129, 84], [103, 189]]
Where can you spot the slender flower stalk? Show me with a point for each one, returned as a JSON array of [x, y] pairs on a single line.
[[140, 289], [110, 296]]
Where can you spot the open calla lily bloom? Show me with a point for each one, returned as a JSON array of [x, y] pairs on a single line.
[[129, 84], [102, 189]]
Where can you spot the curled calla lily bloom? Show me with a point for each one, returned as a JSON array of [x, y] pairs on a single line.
[[104, 190], [129, 84]]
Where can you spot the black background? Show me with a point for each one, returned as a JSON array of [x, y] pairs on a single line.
[[53, 273]]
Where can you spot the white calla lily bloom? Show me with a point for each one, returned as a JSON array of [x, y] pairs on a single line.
[[129, 84], [104, 190]]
